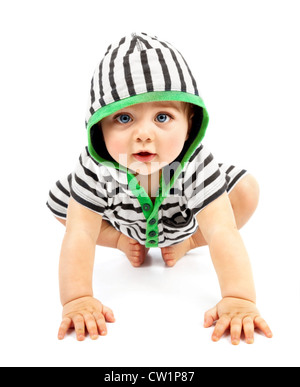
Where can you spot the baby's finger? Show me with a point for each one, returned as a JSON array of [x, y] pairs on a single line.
[[91, 325], [235, 330], [222, 325], [79, 326], [260, 323], [248, 327], [108, 314], [209, 317], [100, 320], [64, 326]]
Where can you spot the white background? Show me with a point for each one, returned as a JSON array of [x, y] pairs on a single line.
[[245, 57]]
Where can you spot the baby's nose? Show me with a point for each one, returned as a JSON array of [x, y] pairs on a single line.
[[144, 133]]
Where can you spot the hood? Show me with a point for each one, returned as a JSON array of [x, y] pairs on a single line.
[[141, 68]]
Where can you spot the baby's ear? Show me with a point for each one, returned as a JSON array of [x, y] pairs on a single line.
[[190, 124], [191, 121]]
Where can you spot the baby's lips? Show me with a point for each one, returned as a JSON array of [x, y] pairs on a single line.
[[144, 156]]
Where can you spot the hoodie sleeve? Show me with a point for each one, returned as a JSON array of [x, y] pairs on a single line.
[[204, 180], [87, 185]]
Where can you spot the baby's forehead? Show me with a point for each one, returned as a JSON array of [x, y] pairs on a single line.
[[178, 105]]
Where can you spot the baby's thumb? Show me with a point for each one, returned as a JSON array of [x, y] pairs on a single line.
[[108, 314], [210, 316]]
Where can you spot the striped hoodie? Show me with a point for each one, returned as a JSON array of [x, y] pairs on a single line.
[[141, 68]]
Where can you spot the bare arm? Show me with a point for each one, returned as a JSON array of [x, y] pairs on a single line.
[[78, 252], [76, 273], [228, 252], [237, 310]]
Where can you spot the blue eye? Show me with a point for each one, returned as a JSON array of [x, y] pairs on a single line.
[[123, 118], [163, 118]]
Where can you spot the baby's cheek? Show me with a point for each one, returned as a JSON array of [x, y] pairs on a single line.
[[174, 146], [117, 147]]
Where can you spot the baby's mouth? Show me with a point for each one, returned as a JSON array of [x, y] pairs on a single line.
[[144, 157]]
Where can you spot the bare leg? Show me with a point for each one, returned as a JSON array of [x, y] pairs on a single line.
[[243, 199], [110, 237]]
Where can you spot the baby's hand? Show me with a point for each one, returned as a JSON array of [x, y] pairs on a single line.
[[237, 315], [85, 312]]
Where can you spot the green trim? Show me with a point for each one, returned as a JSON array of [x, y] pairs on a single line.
[[140, 98], [150, 211]]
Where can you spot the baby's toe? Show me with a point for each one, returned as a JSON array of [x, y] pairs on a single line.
[[168, 255], [136, 261], [137, 255]]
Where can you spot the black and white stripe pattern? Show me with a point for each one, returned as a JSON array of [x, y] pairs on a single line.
[[105, 190], [135, 65], [138, 64]]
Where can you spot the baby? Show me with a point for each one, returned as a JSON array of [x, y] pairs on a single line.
[[147, 180]]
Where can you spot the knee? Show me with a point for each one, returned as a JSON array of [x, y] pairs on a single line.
[[245, 194], [62, 221]]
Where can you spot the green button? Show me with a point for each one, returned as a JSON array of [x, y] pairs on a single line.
[[152, 233], [152, 242], [146, 207], [152, 221]]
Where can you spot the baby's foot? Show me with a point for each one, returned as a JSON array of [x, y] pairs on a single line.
[[172, 254], [135, 252]]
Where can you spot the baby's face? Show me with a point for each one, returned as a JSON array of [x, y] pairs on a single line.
[[148, 136]]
